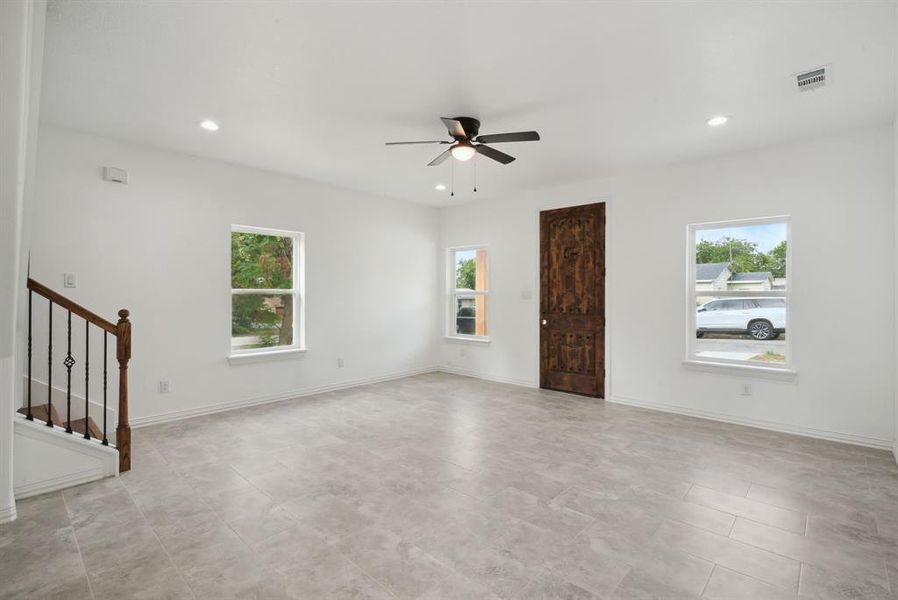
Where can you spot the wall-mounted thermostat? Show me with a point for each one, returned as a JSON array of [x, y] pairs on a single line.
[[115, 175]]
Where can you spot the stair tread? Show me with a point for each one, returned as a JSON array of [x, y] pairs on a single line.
[[39, 412]]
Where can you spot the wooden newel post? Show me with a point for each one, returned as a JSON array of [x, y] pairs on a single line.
[[123, 354]]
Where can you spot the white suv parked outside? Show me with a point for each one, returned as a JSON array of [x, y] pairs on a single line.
[[761, 318]]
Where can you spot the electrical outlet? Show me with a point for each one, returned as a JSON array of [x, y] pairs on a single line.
[[745, 390], [164, 387], [339, 363], [69, 280]]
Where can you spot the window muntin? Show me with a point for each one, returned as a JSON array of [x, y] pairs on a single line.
[[468, 285], [266, 290], [739, 292]]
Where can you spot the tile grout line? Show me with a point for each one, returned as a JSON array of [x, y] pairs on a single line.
[[710, 575], [90, 586], [159, 540]]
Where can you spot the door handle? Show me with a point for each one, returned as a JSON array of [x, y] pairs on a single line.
[[544, 321]]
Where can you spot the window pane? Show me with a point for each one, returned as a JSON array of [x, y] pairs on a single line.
[[470, 315], [261, 261], [470, 269], [261, 321], [741, 258], [756, 331]]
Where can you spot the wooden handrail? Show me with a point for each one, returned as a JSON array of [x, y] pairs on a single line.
[[122, 332], [77, 309]]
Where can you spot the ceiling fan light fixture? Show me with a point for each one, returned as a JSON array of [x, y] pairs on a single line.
[[463, 151]]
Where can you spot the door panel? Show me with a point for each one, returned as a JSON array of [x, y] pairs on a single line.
[[572, 299]]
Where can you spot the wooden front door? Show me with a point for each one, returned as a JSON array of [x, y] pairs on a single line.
[[572, 299]]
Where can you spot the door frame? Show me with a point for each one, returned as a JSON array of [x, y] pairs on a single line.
[[605, 392]]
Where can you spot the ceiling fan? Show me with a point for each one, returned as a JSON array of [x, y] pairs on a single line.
[[465, 130]]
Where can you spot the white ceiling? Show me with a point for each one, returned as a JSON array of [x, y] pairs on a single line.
[[314, 89]]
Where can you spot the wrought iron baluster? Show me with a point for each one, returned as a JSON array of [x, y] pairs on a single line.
[[105, 382], [50, 369], [86, 378], [69, 362], [29, 416]]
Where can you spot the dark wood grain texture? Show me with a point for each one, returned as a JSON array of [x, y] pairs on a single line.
[[71, 305], [572, 299], [123, 355]]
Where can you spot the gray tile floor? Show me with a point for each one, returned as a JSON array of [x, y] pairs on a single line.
[[446, 487]]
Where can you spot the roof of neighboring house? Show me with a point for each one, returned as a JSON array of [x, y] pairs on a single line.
[[709, 271], [757, 276]]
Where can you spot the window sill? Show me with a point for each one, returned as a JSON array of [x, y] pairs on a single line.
[[251, 357], [468, 338], [757, 371]]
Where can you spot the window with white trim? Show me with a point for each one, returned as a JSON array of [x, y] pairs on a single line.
[[468, 292], [738, 292], [266, 290]]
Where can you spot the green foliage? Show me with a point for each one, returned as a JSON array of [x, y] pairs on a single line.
[[742, 255], [465, 274], [262, 262], [778, 259]]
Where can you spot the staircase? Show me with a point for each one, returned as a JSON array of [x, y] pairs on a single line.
[[61, 417], [43, 412]]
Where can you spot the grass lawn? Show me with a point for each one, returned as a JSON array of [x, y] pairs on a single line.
[[770, 356]]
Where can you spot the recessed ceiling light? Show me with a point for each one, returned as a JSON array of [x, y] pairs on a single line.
[[440, 187], [717, 120], [209, 125]]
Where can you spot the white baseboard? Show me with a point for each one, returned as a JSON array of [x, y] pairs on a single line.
[[269, 398], [833, 436], [485, 377], [8, 514]]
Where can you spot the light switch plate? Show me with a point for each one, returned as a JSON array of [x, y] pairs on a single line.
[[69, 280]]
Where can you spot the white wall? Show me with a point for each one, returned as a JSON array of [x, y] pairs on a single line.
[[840, 193], [895, 367], [21, 48], [160, 247]]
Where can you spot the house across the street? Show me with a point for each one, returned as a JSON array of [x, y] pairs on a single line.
[[713, 277]]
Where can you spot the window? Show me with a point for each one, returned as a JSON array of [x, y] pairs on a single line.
[[266, 290], [738, 291], [468, 291]]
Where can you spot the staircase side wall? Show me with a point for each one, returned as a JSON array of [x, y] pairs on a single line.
[[45, 460]]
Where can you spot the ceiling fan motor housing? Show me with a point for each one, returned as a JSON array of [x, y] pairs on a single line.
[[471, 126]]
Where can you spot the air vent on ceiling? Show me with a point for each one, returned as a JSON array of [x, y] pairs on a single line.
[[812, 79]]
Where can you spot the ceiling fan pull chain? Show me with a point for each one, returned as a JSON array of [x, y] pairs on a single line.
[[475, 174], [452, 179]]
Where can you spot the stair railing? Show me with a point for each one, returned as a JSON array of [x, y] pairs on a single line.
[[121, 330]]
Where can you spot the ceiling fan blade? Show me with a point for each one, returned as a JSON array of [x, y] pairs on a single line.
[[440, 158], [455, 127], [518, 136], [427, 142], [494, 154]]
